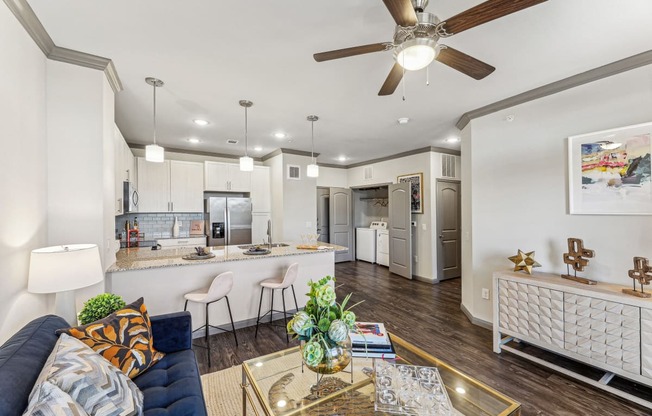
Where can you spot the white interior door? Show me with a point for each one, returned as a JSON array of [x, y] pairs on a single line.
[[341, 222], [400, 230]]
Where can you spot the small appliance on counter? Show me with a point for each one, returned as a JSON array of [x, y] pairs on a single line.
[[228, 221]]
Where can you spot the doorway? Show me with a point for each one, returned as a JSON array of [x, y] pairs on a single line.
[[449, 216]]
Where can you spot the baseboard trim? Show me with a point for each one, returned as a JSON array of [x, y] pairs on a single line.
[[476, 321], [424, 279]]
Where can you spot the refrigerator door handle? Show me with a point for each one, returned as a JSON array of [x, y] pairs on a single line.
[[227, 227]]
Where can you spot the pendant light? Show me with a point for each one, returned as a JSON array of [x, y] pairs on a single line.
[[154, 152], [246, 163], [312, 171]]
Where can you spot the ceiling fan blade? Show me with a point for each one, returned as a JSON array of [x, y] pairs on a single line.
[[485, 12], [392, 81], [346, 52], [464, 63], [402, 11]]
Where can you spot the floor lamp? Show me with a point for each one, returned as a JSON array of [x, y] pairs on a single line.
[[61, 270]]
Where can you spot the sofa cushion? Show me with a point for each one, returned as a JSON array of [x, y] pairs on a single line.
[[21, 359], [98, 386], [54, 402], [124, 338], [173, 386]]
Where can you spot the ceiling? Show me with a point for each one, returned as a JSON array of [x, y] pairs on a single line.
[[213, 53]]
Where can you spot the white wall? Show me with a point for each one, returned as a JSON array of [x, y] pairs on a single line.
[[518, 174], [23, 172], [276, 180], [332, 177], [299, 200]]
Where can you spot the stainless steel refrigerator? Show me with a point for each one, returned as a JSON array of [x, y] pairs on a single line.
[[228, 221]]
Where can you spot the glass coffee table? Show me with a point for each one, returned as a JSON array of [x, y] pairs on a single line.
[[277, 384]]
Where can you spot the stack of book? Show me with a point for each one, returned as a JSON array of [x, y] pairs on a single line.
[[372, 341]]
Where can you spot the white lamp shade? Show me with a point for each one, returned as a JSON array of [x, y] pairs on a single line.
[[416, 54], [154, 153], [246, 164], [63, 268], [312, 171]]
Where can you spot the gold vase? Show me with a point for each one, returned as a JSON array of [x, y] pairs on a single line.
[[335, 358]]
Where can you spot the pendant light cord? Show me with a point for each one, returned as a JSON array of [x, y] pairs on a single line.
[[312, 133], [154, 119], [246, 132]]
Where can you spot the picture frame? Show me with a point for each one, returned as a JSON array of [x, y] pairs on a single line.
[[609, 172], [416, 190]]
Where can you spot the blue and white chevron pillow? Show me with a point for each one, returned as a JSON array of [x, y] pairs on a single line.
[[92, 382]]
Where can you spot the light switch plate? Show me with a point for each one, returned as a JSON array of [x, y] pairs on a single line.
[[485, 293]]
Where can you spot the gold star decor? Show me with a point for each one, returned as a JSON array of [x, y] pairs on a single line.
[[524, 261]]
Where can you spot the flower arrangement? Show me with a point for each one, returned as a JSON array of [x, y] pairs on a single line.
[[323, 324]]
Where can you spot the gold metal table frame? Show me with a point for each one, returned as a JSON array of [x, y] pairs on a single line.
[[468, 396]]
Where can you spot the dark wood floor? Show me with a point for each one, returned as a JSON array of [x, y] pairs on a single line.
[[429, 316]]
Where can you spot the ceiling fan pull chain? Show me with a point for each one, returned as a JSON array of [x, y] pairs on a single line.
[[427, 75], [403, 80]]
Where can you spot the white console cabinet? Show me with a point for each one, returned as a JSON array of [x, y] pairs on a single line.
[[595, 324]]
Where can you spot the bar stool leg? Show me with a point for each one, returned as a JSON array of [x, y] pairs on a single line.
[[296, 305], [228, 305], [262, 290], [285, 318], [271, 311], [185, 307], [208, 342]]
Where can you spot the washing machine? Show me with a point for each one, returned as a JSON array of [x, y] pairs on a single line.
[[366, 241]]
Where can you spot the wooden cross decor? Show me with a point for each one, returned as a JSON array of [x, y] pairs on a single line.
[[642, 272], [577, 257]]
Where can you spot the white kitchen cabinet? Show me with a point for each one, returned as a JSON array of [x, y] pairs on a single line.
[[153, 186], [259, 227], [226, 177], [171, 186], [186, 186], [261, 200], [124, 168]]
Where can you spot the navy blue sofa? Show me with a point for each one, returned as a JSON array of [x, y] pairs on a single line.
[[170, 387]]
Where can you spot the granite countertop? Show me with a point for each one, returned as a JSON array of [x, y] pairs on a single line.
[[146, 258]]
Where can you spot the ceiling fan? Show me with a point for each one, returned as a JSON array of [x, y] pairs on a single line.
[[416, 38]]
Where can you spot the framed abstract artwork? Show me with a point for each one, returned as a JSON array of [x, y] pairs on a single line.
[[609, 171], [416, 190]]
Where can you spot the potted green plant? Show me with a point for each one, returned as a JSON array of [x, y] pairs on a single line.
[[100, 307], [323, 328]]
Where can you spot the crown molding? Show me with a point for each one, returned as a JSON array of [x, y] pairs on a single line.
[[286, 151], [26, 16], [426, 149], [614, 68]]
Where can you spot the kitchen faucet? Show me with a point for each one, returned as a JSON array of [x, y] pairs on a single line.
[[269, 233]]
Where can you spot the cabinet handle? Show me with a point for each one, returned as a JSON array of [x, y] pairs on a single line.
[[120, 205], [172, 205], [128, 176]]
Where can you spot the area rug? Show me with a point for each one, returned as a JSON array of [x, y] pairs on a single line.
[[223, 393]]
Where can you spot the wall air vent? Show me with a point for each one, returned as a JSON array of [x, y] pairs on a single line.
[[232, 141], [448, 166], [368, 173], [294, 172]]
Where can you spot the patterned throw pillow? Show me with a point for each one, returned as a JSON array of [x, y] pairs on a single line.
[[49, 400], [124, 338], [83, 378]]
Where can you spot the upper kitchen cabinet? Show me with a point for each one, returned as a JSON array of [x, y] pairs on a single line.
[[171, 186], [226, 177], [124, 168], [261, 190]]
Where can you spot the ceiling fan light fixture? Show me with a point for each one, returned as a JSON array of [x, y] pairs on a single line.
[[416, 54]]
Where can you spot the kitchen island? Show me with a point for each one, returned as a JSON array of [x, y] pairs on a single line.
[[162, 277]]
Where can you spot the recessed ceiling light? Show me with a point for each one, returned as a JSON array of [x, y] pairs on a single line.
[[193, 140], [403, 120], [342, 158], [452, 140], [509, 118], [258, 148], [280, 135], [200, 122]]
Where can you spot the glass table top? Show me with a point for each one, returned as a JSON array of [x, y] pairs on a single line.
[[283, 387]]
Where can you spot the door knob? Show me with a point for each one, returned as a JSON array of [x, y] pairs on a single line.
[[441, 236]]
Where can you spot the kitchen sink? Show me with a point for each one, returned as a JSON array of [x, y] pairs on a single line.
[[248, 246]]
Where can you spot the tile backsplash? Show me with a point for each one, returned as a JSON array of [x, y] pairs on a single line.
[[156, 225]]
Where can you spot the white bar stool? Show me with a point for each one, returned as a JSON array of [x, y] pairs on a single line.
[[219, 289], [277, 283]]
